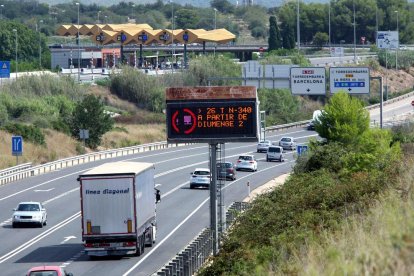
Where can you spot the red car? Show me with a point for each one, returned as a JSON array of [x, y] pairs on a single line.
[[47, 270]]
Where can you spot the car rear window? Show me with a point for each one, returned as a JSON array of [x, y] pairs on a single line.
[[246, 158], [44, 273], [286, 139], [201, 173], [274, 149]]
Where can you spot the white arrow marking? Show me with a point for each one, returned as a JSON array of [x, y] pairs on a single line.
[[68, 238], [48, 190]]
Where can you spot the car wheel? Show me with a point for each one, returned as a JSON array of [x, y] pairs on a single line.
[[40, 224], [191, 186], [14, 225]]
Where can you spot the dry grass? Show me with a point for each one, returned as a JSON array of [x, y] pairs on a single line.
[[380, 243], [59, 145], [129, 135]]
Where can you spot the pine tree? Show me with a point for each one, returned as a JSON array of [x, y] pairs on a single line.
[[274, 34]]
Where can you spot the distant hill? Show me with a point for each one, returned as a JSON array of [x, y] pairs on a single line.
[[196, 3]]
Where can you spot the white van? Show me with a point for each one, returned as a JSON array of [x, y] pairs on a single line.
[[275, 153]]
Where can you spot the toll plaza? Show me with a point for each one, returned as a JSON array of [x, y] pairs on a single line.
[[116, 44]]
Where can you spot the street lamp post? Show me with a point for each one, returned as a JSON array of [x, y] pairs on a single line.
[[172, 36], [40, 45], [298, 26], [99, 12], [2, 6], [215, 18], [398, 44], [355, 58], [15, 33], [79, 57], [329, 24]]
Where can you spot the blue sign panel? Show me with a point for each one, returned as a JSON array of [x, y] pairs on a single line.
[[185, 37], [17, 145], [302, 149], [143, 37], [349, 84], [5, 69]]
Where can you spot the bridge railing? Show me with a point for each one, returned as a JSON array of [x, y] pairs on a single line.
[[189, 260]]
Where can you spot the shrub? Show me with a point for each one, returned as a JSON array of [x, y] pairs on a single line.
[[30, 133]]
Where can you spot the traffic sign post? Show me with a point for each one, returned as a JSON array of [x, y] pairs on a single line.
[[17, 147], [5, 69], [353, 80], [302, 149], [308, 80]]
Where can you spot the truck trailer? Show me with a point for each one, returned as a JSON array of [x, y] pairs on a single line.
[[118, 208]]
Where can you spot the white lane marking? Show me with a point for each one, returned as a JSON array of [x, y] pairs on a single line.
[[39, 237], [66, 239], [77, 172], [167, 237], [185, 220], [175, 189], [6, 222], [41, 184], [48, 190], [59, 196]]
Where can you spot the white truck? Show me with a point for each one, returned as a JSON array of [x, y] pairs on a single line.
[[118, 208]]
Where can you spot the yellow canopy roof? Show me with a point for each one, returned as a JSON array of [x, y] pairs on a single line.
[[73, 29], [86, 29], [218, 36], [63, 30]]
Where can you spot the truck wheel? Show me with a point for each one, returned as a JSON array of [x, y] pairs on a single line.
[[140, 245]]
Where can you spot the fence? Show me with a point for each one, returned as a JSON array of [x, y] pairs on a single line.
[[196, 254]]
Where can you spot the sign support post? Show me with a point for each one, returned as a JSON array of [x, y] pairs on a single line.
[[213, 197]]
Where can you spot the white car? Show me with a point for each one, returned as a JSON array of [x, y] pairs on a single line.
[[263, 146], [29, 213], [246, 162], [288, 143], [275, 153], [201, 177]]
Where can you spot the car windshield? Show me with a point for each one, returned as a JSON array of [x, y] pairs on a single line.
[[286, 139], [271, 149], [265, 142], [28, 207], [201, 173], [224, 165], [44, 273], [245, 158]]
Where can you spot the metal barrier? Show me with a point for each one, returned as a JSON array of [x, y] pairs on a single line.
[[195, 255], [80, 159], [14, 169]]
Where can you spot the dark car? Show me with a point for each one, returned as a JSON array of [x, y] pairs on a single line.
[[225, 170]]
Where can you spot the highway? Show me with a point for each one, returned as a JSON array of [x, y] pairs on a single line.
[[181, 214]]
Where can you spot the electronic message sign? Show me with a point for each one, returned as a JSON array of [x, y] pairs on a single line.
[[212, 114]]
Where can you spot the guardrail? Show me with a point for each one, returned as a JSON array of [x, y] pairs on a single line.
[[15, 169], [195, 255], [81, 159]]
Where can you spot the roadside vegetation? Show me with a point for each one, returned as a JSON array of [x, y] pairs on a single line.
[[320, 221]]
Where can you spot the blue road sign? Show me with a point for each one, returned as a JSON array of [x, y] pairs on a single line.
[[302, 149], [17, 145], [5, 69], [185, 37]]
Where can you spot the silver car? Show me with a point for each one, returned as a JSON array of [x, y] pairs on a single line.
[[263, 146], [288, 143], [246, 162], [29, 213], [275, 153], [200, 178]]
